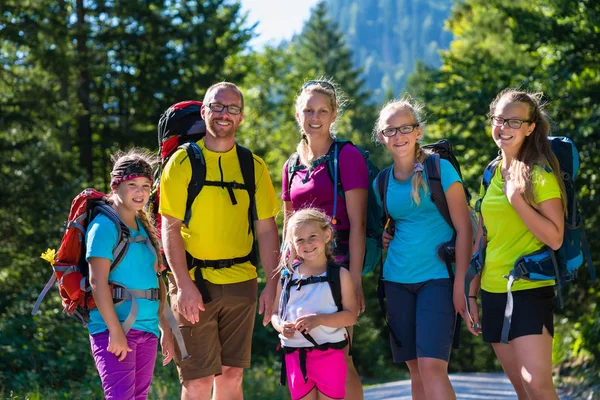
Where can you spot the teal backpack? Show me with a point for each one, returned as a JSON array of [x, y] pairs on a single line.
[[545, 264], [373, 247]]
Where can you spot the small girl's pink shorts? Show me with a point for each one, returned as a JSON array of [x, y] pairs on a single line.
[[326, 370]]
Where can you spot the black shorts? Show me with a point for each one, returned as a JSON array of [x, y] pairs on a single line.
[[533, 309]]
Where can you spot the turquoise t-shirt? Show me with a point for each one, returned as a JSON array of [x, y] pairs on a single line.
[[412, 254], [135, 271]]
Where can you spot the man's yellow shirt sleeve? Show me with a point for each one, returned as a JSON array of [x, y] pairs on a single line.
[[174, 183], [267, 204]]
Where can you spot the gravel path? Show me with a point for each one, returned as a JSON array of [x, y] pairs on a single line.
[[493, 385]]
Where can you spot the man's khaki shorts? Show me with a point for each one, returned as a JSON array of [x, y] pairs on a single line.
[[223, 336]]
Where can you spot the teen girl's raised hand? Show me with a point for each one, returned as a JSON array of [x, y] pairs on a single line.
[[510, 189]]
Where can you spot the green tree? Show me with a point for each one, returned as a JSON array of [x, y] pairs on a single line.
[[544, 46], [80, 79], [110, 68]]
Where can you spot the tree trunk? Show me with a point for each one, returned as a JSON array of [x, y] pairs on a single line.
[[83, 94]]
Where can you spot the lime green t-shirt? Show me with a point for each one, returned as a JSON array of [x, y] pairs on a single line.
[[508, 237], [217, 229]]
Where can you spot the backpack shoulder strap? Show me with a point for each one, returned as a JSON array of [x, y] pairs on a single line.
[[489, 172], [286, 278], [292, 168], [333, 169], [335, 284], [122, 232], [198, 164], [246, 160], [383, 179], [433, 172], [333, 166]]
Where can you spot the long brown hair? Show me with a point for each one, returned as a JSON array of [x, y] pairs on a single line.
[[411, 106], [535, 149], [142, 156]]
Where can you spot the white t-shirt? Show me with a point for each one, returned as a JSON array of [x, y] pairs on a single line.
[[315, 298]]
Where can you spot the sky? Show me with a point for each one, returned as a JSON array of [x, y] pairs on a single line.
[[277, 19]]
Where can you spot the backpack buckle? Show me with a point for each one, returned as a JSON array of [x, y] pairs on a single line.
[[118, 293], [520, 269], [154, 294], [220, 264]]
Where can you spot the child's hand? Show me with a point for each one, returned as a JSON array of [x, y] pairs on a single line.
[[307, 322], [167, 346], [117, 344], [288, 329]]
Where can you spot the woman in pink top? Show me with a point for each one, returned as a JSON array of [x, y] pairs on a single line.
[[317, 107]]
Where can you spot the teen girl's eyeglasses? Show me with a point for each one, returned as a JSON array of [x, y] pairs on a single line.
[[513, 123], [218, 107], [404, 130]]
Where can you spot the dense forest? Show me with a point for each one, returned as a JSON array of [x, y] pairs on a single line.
[[81, 79]]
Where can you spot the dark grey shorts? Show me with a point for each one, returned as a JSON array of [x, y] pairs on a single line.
[[422, 317]]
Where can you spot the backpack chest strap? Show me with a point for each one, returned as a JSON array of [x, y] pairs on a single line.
[[216, 264], [230, 186], [122, 293], [307, 281]]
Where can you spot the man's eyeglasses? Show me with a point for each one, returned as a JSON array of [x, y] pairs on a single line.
[[218, 107], [404, 129], [324, 84], [513, 123]]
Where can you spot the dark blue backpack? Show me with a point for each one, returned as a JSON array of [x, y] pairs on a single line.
[[546, 264], [373, 247]]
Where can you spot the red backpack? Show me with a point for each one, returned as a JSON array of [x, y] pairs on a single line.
[[180, 125], [71, 269]]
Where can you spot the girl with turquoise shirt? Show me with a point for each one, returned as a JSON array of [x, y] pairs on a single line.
[[125, 360], [422, 300]]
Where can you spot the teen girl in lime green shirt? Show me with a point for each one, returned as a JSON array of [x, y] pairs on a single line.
[[523, 211]]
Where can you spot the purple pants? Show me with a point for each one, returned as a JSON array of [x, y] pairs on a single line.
[[130, 378]]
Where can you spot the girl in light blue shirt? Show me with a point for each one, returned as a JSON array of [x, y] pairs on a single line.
[[125, 354], [422, 299]]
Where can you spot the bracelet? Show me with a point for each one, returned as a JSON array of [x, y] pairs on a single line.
[[473, 297]]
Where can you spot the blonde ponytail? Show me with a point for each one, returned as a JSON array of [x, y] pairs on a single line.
[[302, 150], [418, 181]]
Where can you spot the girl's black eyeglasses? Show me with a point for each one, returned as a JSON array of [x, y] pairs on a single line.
[[404, 130]]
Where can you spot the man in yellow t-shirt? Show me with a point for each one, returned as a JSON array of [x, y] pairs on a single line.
[[216, 244]]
